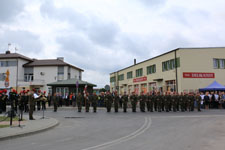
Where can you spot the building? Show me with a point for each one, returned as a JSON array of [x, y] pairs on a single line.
[[24, 73], [181, 70]]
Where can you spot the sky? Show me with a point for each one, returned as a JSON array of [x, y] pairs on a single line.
[[103, 36]]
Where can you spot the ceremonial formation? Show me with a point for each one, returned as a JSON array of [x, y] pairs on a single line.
[[36, 100]]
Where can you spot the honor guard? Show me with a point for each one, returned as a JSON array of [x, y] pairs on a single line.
[[133, 100], [116, 101], [125, 101], [142, 99], [79, 101], [94, 102], [108, 101]]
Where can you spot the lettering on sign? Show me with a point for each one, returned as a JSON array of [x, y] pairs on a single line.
[[140, 79], [198, 75]]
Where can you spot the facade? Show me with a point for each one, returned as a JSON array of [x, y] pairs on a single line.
[[26, 73], [181, 70]]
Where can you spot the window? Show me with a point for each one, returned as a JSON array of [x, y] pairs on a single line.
[[8, 63], [112, 79], [151, 69], [121, 77], [219, 63], [60, 72], [171, 85], [129, 75], [170, 64], [28, 74], [2, 76], [139, 72]]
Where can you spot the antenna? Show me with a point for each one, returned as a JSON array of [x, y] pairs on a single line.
[[16, 49], [9, 44]]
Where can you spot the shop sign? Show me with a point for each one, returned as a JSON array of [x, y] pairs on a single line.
[[140, 79], [198, 75]]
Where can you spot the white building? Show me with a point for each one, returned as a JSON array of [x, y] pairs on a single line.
[[26, 73]]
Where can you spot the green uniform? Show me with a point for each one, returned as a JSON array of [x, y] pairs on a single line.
[[55, 100], [94, 102], [155, 102], [166, 100], [79, 100], [116, 100], [150, 103], [142, 99], [133, 99], [31, 102], [108, 102], [159, 102], [182, 103], [87, 103], [198, 99], [174, 103], [125, 101]]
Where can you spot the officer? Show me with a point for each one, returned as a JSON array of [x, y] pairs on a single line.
[[142, 99], [116, 100], [79, 101], [31, 102], [133, 100], [148, 101], [108, 101], [125, 101], [55, 100], [94, 102], [159, 101], [198, 99], [87, 99]]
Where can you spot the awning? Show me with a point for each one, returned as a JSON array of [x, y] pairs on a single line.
[[215, 86], [70, 82]]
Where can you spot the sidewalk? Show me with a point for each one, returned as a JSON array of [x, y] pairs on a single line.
[[28, 127]]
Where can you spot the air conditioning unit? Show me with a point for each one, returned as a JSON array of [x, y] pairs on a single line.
[[42, 73]]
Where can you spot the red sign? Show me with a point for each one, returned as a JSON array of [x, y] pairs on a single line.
[[198, 75], [140, 79]]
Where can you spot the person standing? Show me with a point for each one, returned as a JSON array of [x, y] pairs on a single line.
[[31, 102], [133, 100], [125, 101], [148, 101], [108, 101], [55, 100], [116, 101], [94, 102], [198, 100], [79, 100], [142, 99], [49, 98], [74, 100], [207, 100], [87, 99]]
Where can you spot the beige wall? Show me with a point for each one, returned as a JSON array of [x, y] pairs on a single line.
[[200, 60], [191, 60]]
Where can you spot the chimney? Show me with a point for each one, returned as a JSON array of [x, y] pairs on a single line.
[[60, 58], [134, 61], [7, 52]]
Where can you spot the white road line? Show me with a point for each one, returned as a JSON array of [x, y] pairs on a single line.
[[199, 116], [136, 133]]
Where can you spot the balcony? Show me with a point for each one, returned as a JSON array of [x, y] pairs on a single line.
[[31, 82]]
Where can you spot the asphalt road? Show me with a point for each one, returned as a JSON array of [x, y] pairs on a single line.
[[127, 131]]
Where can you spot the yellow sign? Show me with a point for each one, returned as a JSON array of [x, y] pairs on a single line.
[[7, 79]]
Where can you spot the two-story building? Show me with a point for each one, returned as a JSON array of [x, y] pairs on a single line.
[[25, 73], [181, 70]]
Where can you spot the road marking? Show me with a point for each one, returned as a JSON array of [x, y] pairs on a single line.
[[136, 133], [199, 116]]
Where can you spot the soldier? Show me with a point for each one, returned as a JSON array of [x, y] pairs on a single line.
[[79, 101], [182, 103], [125, 101], [102, 100], [1, 102], [49, 99], [38, 101], [94, 102], [155, 102], [159, 101], [177, 101], [108, 101], [87, 99], [26, 96], [133, 99], [162, 102], [31, 102], [198, 99], [150, 99], [185, 98], [116, 100], [21, 102], [55, 100], [169, 99], [173, 98], [166, 100], [142, 99]]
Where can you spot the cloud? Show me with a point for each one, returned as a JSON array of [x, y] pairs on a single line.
[[9, 9], [24, 41]]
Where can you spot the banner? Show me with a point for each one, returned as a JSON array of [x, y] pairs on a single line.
[[198, 75]]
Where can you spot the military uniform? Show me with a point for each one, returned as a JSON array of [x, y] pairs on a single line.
[[125, 101], [142, 99], [79, 102], [133, 99], [31, 102], [150, 103], [155, 102], [94, 102], [55, 100], [108, 102], [174, 106], [166, 100], [182, 103], [159, 102], [116, 101], [87, 102], [198, 99]]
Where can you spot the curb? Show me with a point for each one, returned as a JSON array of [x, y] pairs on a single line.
[[26, 133]]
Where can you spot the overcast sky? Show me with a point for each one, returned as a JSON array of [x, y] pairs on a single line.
[[102, 36]]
